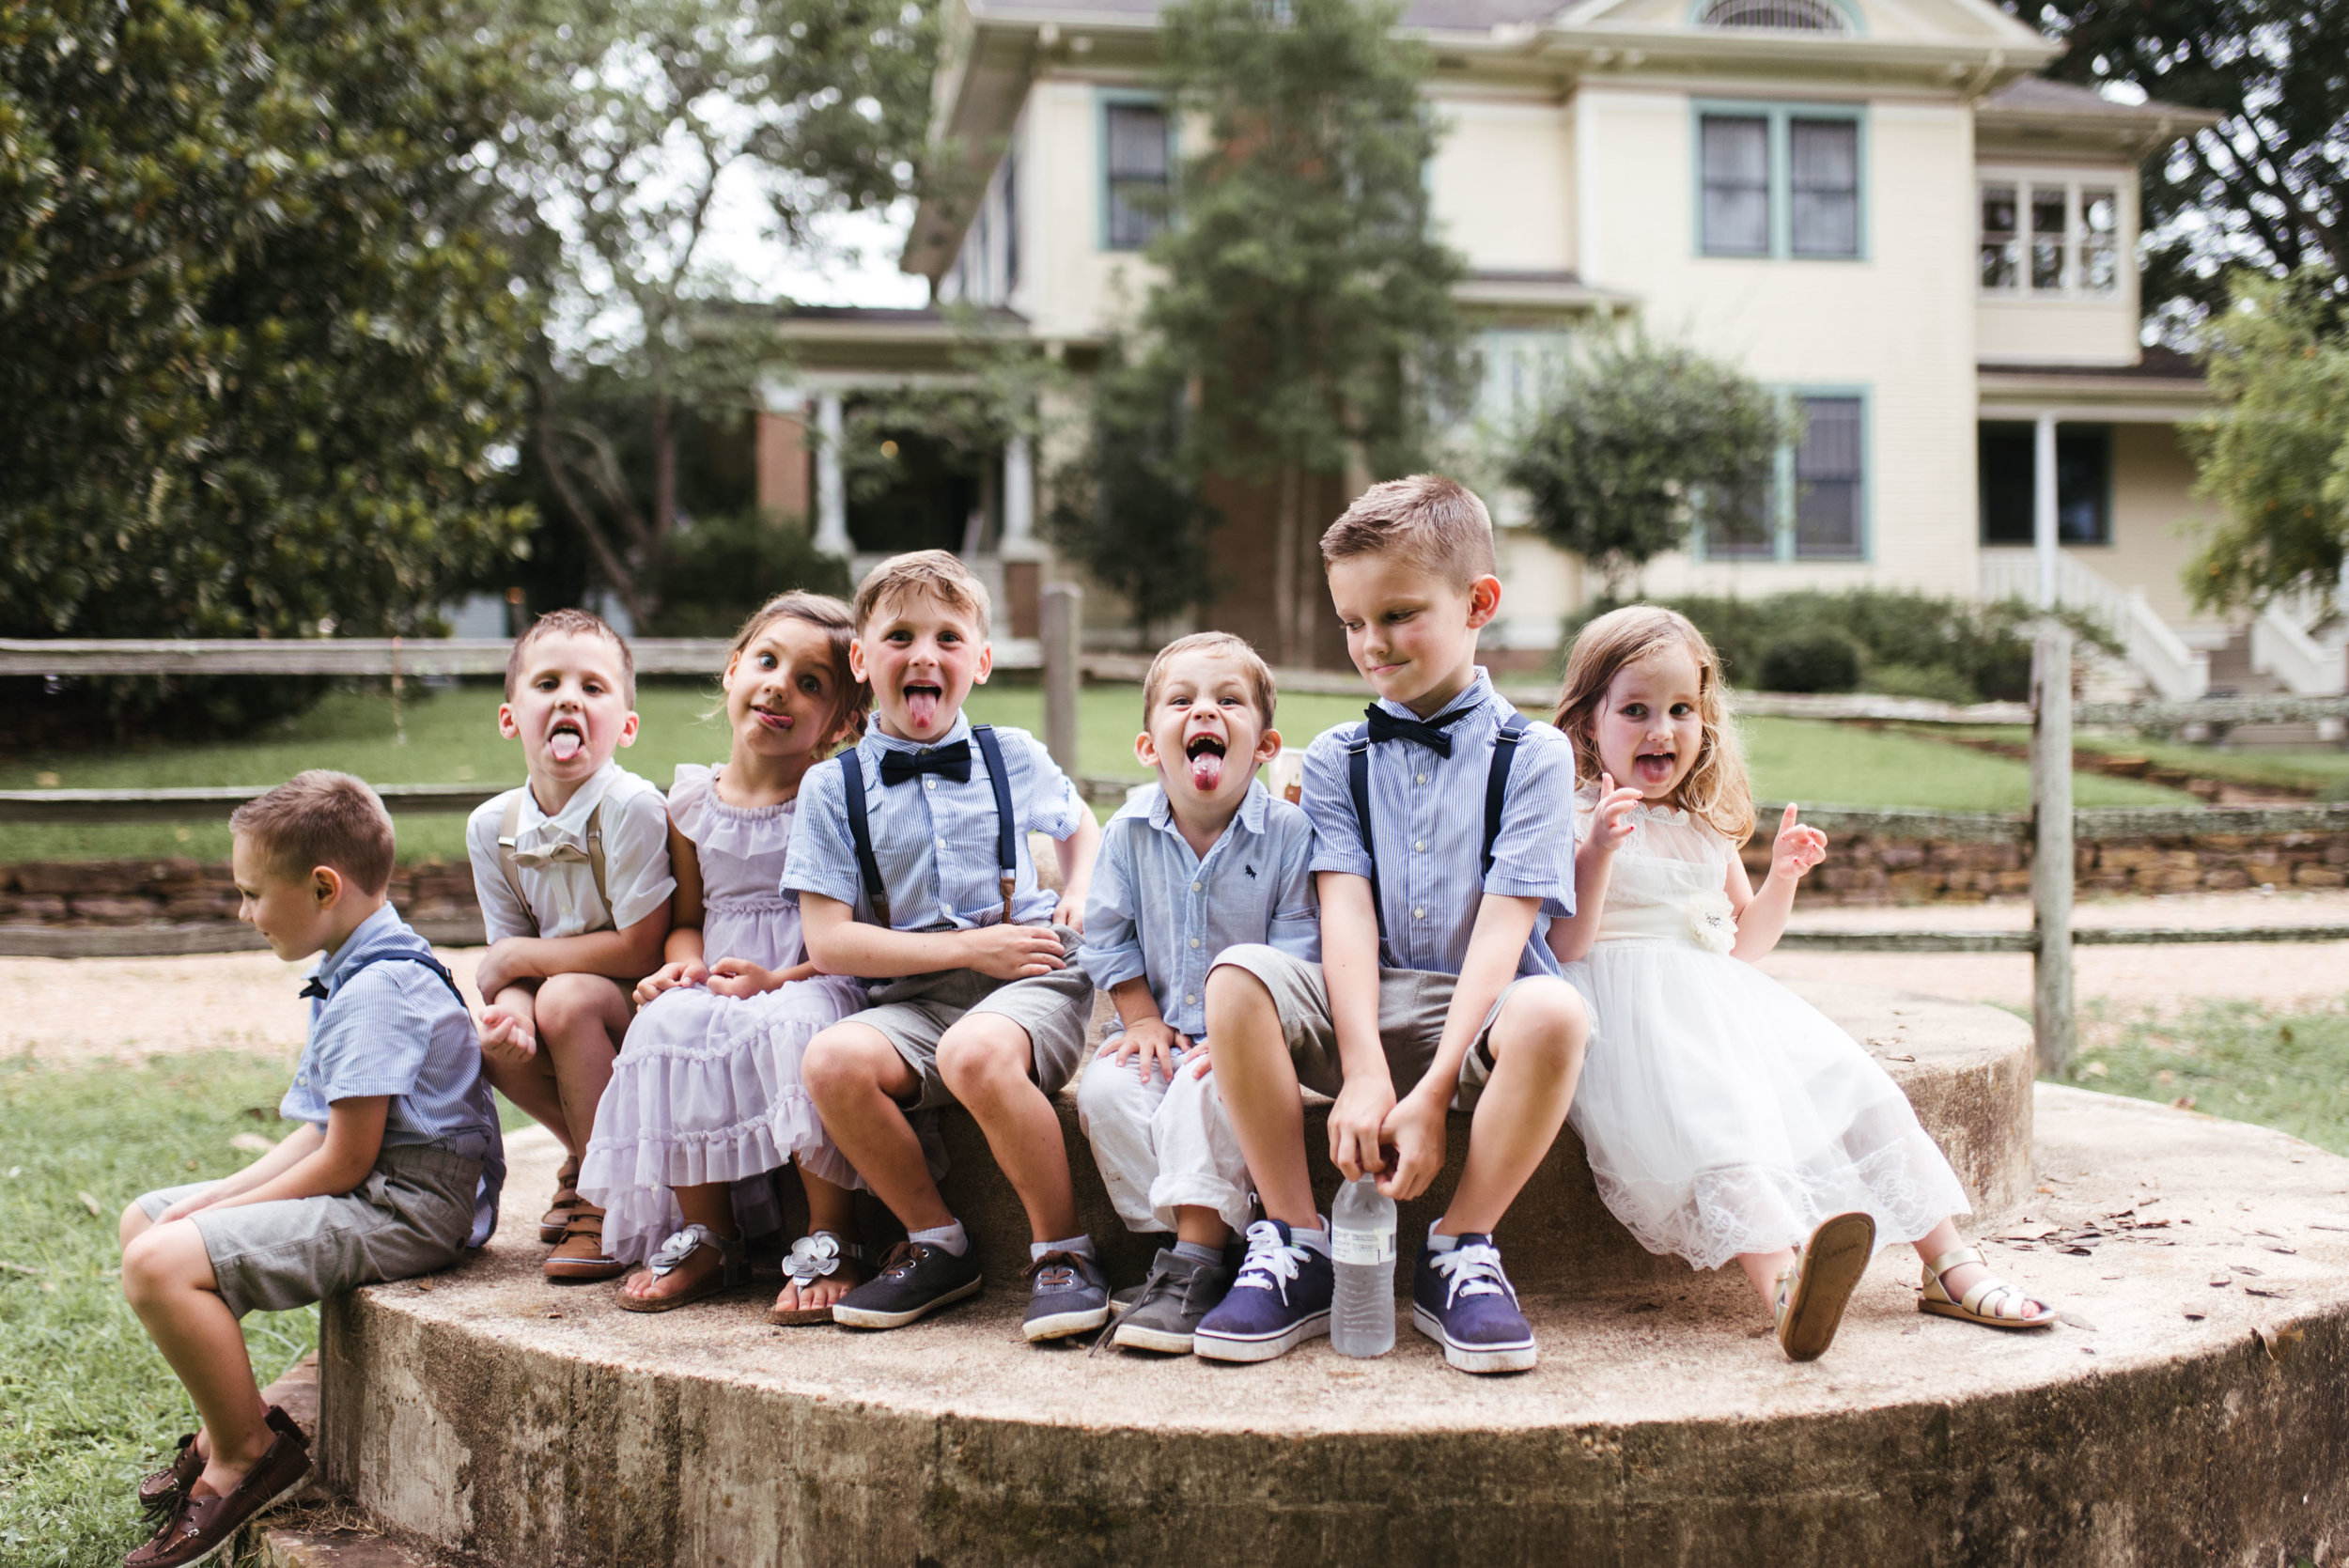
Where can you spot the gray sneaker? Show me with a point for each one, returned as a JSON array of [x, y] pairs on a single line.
[[1068, 1294], [1179, 1291]]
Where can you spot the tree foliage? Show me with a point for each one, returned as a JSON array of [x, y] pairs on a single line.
[[1125, 509], [2275, 455], [1629, 436], [2268, 186], [259, 333], [1305, 304]]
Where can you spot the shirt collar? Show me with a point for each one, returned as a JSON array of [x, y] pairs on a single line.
[[1478, 691], [362, 936], [1252, 807], [572, 819], [880, 740]]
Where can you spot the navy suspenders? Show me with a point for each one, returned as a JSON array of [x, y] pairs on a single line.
[[1496, 795], [407, 954], [1007, 827]]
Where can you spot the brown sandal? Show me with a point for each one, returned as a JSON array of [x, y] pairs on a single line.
[[1813, 1290], [733, 1270], [811, 1258], [555, 1223], [582, 1258]]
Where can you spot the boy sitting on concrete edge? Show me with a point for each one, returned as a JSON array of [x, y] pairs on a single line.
[[571, 870], [1443, 840], [923, 828], [1202, 860], [393, 1171]]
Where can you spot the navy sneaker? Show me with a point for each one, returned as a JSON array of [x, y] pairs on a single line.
[[1067, 1295], [1464, 1302], [1279, 1300], [915, 1280]]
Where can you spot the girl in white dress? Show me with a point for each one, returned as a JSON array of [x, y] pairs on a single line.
[[707, 1090], [1726, 1117]]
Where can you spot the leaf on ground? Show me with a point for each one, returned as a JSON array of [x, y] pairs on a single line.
[[2184, 1102], [2075, 1321], [2026, 1233], [252, 1144], [2277, 1235], [2314, 1226], [2277, 1339], [2245, 1269], [2272, 1292], [91, 1203], [2280, 1248], [17, 1269], [2195, 1314], [2216, 1280]]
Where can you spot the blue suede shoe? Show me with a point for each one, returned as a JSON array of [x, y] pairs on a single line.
[[1279, 1300], [1464, 1302]]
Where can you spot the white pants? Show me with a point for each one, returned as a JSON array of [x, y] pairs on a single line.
[[1162, 1146]]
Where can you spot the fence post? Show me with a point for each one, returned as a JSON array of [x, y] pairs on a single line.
[[2051, 844], [1063, 621]]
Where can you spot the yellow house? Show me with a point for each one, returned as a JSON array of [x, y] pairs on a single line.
[[1873, 205]]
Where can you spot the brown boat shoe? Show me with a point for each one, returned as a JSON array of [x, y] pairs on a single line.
[[203, 1523], [580, 1257], [556, 1220], [160, 1491]]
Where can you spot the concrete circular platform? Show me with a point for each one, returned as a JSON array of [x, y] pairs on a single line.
[[2193, 1422]]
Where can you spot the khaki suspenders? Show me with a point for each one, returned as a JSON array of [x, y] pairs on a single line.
[[510, 825]]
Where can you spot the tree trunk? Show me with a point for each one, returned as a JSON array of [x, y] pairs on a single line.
[[1286, 526], [663, 468]]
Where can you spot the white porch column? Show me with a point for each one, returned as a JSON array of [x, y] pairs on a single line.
[[1018, 492], [831, 490], [2043, 506]]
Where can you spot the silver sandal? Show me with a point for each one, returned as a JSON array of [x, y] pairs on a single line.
[[812, 1257], [734, 1269]]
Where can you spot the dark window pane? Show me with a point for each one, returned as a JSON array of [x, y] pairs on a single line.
[[1828, 472], [1825, 166], [2005, 453], [2083, 485], [2001, 253], [2047, 238], [1735, 150], [1739, 527], [2083, 471], [1137, 176]]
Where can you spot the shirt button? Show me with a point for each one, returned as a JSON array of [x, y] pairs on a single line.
[[1194, 941], [1195, 888], [929, 784], [1421, 779], [1190, 1002], [1420, 848], [1419, 914]]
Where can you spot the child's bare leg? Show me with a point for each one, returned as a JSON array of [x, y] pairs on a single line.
[[856, 1078], [1763, 1269], [167, 1278], [581, 1019], [711, 1205], [1536, 1046], [530, 1083], [1201, 1226], [984, 1059], [829, 1209], [1261, 1093]]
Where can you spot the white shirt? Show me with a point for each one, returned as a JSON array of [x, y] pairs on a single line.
[[562, 900]]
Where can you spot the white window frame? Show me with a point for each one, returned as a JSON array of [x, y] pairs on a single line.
[[2071, 289]]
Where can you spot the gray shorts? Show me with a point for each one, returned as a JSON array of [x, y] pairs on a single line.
[[1412, 1006], [411, 1215], [913, 1015]]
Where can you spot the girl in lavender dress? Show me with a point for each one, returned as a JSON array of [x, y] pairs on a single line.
[[706, 1091]]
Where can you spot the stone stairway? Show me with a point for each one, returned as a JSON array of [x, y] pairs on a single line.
[[2232, 674]]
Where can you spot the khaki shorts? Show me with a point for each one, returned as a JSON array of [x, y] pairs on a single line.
[[914, 1014], [411, 1215], [1412, 1006]]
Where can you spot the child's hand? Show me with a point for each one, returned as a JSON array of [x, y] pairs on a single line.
[[1612, 822], [1151, 1045], [739, 977], [186, 1206], [1357, 1124], [1071, 913], [507, 1037], [1014, 952], [668, 977], [1414, 1129], [1797, 849], [501, 966]]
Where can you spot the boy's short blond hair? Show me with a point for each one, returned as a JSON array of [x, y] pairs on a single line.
[[1259, 673], [938, 573], [1436, 523], [570, 623], [322, 818]]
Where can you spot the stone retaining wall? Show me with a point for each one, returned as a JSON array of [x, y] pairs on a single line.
[[181, 890]]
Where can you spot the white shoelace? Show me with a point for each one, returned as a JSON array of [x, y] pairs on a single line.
[[1272, 1263], [1473, 1270]]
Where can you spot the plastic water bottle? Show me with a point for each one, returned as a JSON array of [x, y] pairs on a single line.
[[1361, 1244]]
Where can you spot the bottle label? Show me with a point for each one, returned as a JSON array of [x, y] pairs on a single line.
[[1372, 1247]]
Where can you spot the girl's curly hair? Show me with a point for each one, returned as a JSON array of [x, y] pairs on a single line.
[[1716, 791]]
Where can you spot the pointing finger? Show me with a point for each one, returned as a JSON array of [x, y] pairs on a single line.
[[1788, 820]]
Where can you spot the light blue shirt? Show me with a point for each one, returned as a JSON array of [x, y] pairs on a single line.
[[1159, 912], [933, 839], [393, 1028], [1427, 821]]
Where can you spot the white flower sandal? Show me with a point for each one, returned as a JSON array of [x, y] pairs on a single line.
[[733, 1269], [1987, 1303], [811, 1258], [1813, 1290]]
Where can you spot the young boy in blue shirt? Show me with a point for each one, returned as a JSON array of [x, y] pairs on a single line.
[[1202, 860], [1435, 987], [923, 828], [393, 1171]]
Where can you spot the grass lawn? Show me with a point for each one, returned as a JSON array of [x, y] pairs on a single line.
[[451, 737], [2231, 1059], [2324, 772]]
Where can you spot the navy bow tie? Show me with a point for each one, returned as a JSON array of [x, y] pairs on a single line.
[[954, 761], [314, 988], [1389, 727]]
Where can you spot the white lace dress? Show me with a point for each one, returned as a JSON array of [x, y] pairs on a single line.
[[707, 1088], [1724, 1113]]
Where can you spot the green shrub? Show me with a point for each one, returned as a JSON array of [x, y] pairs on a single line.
[[717, 571], [1819, 659], [1938, 682]]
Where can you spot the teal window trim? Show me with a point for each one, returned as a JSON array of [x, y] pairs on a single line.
[[1778, 115], [1782, 496], [1105, 98]]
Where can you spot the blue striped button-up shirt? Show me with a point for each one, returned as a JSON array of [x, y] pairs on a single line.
[[1427, 821], [1159, 912]]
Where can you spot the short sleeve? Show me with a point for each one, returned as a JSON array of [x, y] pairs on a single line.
[[636, 855], [1534, 852], [690, 793], [1296, 927], [1053, 806], [822, 857], [1337, 834], [503, 915], [1112, 953], [373, 1038]]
